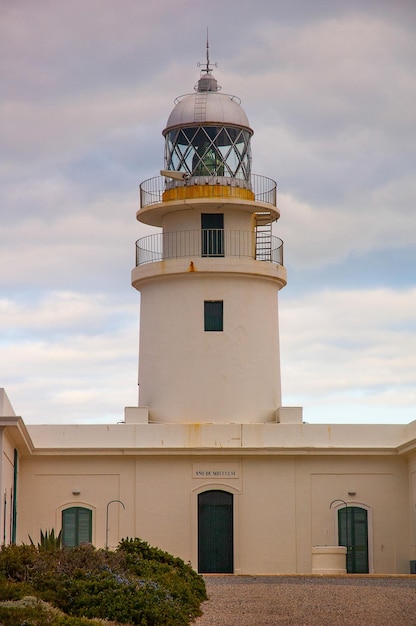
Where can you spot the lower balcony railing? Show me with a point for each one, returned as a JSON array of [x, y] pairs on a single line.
[[208, 243]]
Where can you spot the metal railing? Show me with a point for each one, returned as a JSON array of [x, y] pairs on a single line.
[[210, 242], [263, 188]]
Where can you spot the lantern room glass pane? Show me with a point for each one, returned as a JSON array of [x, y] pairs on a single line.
[[209, 151]]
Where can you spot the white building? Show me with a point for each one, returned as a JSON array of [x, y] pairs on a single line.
[[210, 466]]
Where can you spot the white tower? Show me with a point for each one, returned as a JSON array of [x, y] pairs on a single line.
[[209, 280]]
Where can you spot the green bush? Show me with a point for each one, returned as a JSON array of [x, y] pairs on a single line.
[[31, 611], [136, 584], [184, 584], [16, 562]]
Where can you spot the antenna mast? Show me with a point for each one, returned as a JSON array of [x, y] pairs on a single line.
[[207, 53], [208, 69]]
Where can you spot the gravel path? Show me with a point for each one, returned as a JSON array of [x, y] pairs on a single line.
[[309, 601]]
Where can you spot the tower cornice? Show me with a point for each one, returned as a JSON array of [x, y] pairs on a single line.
[[228, 267]]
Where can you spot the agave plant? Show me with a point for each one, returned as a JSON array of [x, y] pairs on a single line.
[[48, 541]]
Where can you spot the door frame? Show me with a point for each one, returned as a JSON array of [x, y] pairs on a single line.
[[369, 510], [214, 486]]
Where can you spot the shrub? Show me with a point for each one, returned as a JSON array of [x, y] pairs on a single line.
[[185, 585], [16, 562], [136, 584], [31, 611]]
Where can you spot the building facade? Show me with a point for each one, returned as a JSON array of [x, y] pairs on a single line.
[[209, 466]]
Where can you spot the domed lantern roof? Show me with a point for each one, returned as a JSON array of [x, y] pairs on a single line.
[[207, 105]]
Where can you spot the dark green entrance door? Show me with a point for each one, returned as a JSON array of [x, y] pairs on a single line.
[[353, 523], [215, 532]]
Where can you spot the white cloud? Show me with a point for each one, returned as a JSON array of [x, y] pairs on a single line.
[[351, 349], [319, 236], [61, 310], [76, 354]]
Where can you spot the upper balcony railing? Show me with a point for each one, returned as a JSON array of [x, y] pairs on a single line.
[[210, 242], [159, 189]]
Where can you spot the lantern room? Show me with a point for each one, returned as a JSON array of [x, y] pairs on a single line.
[[208, 135]]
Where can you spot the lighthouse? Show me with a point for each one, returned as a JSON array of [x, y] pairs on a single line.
[[210, 274], [210, 466]]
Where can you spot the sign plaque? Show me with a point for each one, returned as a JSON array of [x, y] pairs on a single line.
[[215, 471]]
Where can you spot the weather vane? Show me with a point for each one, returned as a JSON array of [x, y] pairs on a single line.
[[207, 69]]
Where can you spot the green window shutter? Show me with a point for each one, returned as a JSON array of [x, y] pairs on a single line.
[[213, 315], [76, 526], [69, 527], [84, 526]]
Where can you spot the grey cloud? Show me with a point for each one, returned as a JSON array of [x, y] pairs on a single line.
[[328, 87]]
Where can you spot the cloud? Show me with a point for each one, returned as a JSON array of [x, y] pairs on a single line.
[[320, 236], [353, 349], [86, 91], [76, 355]]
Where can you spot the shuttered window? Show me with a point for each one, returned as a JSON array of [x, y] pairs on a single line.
[[213, 315], [76, 526]]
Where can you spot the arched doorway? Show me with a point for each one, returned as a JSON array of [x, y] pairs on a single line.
[[353, 533], [215, 532]]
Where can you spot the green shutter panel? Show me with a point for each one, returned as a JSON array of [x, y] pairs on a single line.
[[76, 526], [84, 526], [213, 315], [69, 527]]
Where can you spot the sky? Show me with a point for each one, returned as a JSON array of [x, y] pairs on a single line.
[[329, 88]]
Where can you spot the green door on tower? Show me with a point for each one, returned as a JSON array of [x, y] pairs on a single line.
[[215, 532], [212, 231]]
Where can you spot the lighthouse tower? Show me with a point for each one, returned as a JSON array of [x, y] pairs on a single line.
[[210, 275]]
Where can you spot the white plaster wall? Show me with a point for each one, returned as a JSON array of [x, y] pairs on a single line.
[[281, 503], [267, 511], [109, 439], [380, 486], [412, 505], [99, 480], [6, 485], [163, 504], [7, 462], [182, 232], [188, 218], [189, 375]]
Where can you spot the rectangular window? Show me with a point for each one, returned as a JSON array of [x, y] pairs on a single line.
[[213, 315]]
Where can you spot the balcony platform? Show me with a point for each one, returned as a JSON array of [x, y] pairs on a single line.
[[160, 196], [210, 266]]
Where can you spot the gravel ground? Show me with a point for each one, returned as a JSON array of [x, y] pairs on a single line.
[[309, 601]]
